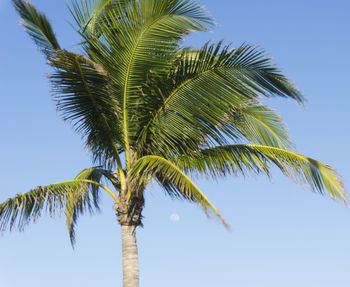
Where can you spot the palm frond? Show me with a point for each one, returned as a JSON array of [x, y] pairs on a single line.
[[37, 26], [74, 197], [193, 102], [75, 206], [258, 124], [23, 208], [172, 179], [234, 159], [83, 96], [137, 38]]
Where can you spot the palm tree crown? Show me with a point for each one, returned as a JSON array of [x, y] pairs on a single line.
[[135, 93]]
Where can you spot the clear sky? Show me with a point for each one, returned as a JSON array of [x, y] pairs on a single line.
[[282, 234]]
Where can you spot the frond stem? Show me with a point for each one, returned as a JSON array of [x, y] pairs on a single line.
[[104, 187], [126, 136]]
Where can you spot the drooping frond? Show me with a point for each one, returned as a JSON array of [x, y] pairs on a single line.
[[26, 207], [84, 98], [173, 180], [37, 26], [74, 205], [234, 159], [192, 104], [74, 197]]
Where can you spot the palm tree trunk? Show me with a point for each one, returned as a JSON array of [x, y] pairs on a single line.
[[130, 257]]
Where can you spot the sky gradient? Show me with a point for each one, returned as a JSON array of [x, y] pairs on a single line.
[[281, 234]]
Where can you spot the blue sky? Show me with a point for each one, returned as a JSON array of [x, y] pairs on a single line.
[[282, 234]]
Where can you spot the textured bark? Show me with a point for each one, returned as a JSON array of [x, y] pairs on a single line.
[[130, 257], [129, 211]]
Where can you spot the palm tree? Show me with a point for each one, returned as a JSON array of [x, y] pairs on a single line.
[[150, 109]]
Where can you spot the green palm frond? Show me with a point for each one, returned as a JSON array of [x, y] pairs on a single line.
[[52, 199], [84, 98], [139, 37], [259, 124], [37, 26], [74, 197], [76, 206], [192, 103], [235, 159], [172, 179]]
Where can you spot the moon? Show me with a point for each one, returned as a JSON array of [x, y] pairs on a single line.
[[174, 217]]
